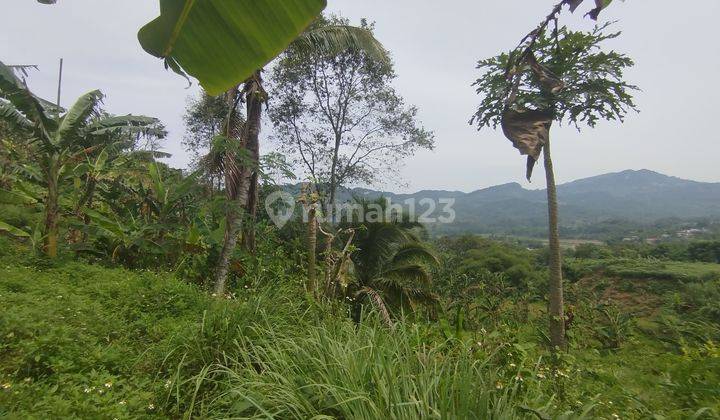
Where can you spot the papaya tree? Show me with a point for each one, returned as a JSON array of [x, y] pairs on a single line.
[[61, 139], [561, 77]]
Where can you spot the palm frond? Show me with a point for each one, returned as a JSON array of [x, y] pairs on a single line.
[[378, 302], [337, 39], [415, 251], [147, 155]]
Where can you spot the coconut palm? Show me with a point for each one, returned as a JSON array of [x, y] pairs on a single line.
[[241, 180], [391, 266], [62, 139]]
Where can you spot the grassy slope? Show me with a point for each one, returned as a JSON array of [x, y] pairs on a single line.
[[91, 342], [80, 340]]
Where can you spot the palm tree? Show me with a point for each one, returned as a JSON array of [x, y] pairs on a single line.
[[61, 139], [391, 266], [241, 180]]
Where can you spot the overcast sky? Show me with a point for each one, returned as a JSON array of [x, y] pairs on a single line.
[[435, 46]]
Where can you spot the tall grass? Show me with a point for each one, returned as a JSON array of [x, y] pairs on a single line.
[[304, 368]]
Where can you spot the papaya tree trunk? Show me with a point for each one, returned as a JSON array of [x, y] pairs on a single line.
[[52, 210], [557, 320], [311, 250]]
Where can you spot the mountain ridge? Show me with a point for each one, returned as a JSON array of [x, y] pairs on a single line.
[[637, 196]]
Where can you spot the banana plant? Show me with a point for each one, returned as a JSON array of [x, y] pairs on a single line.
[[222, 43], [34, 235], [62, 139]]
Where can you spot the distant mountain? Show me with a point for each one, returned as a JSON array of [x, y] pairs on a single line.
[[630, 196]]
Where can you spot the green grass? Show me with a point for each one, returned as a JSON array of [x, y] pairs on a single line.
[[92, 342], [646, 269], [84, 341]]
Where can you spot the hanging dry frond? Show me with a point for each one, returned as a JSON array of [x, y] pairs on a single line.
[[546, 77], [528, 131], [379, 303]]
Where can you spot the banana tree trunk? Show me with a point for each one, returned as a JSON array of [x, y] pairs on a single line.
[[85, 201], [557, 318], [52, 210]]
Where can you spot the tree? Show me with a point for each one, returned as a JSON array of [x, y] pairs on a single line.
[[204, 120], [241, 181], [62, 139], [233, 145], [562, 77], [339, 117], [391, 266]]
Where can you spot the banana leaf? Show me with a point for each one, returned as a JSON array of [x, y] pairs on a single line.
[[222, 43], [4, 227]]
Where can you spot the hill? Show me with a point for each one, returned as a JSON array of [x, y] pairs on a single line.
[[627, 197]]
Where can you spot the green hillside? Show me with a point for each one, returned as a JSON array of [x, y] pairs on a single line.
[[86, 341]]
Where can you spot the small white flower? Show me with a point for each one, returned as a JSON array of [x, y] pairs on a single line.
[[151, 407], [6, 385], [87, 390], [168, 383], [108, 385], [512, 365], [122, 402]]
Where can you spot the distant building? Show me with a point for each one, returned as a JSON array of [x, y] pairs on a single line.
[[689, 233]]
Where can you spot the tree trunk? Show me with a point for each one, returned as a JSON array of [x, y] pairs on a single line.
[[311, 249], [557, 320], [232, 228], [251, 212], [238, 180], [52, 211], [86, 200], [233, 185], [330, 208], [256, 96]]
